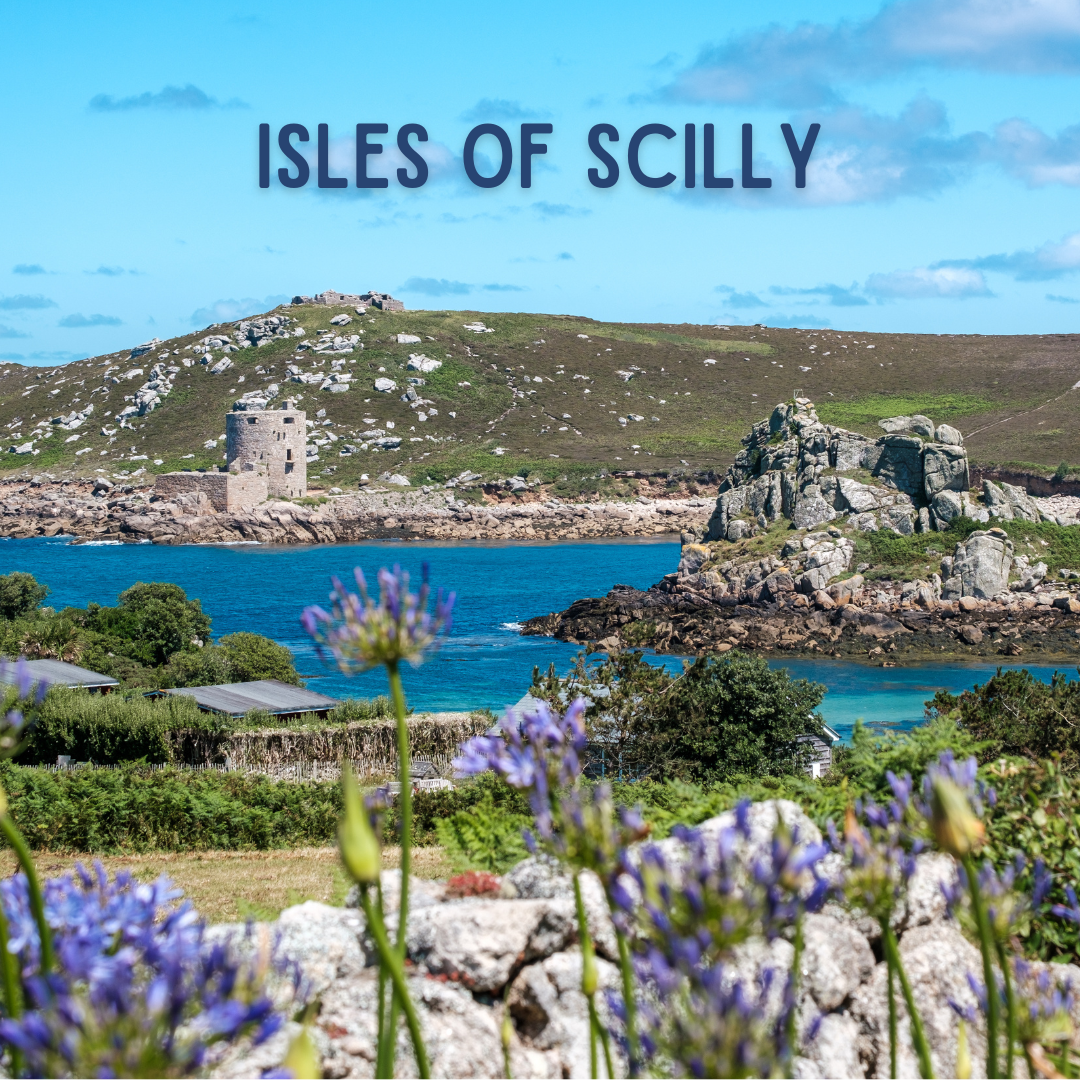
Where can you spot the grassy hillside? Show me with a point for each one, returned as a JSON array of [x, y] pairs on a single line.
[[547, 391]]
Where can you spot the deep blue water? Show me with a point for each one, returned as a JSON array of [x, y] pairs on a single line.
[[485, 661]]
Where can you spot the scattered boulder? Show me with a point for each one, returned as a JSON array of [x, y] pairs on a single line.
[[945, 506], [420, 362], [983, 562], [894, 425], [945, 468], [948, 435]]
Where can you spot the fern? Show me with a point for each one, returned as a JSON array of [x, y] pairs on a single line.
[[483, 837]]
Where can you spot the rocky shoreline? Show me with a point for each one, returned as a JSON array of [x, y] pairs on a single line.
[[99, 511], [776, 566], [682, 621]]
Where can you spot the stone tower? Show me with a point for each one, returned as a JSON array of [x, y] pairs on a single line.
[[271, 443]]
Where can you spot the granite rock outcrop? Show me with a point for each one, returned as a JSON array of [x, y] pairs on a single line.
[[517, 950]]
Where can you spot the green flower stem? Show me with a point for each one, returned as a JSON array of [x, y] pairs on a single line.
[[506, 1032], [986, 943], [601, 1032], [384, 1058], [629, 1003], [397, 694], [796, 971], [12, 989], [892, 1017], [37, 903], [1012, 1015], [394, 967], [588, 986], [1028, 1060], [918, 1035]]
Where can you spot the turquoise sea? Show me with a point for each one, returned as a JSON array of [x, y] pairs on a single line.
[[485, 662]]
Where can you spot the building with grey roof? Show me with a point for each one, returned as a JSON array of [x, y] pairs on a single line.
[[270, 695], [60, 673]]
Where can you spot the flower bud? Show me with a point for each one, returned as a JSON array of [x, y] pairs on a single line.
[[954, 824], [356, 838], [302, 1060], [963, 1054], [590, 974]]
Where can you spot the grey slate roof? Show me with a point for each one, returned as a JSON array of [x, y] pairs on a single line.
[[275, 697], [59, 673]]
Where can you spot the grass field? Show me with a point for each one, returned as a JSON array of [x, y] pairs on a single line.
[[548, 393], [226, 886]]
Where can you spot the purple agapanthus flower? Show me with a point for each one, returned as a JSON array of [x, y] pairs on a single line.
[[138, 988], [539, 754], [359, 632], [691, 913]]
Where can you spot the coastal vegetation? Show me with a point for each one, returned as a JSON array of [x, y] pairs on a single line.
[[155, 637], [719, 717], [696, 390]]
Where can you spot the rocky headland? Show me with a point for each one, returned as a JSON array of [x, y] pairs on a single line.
[[776, 566], [101, 511]]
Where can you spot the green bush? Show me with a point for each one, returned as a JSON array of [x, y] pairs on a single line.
[[1037, 816], [863, 764], [123, 811], [431, 807], [1015, 714], [112, 728], [20, 594], [484, 837], [718, 719], [251, 657], [155, 619], [360, 710]]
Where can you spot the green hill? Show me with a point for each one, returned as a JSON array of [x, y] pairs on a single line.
[[544, 394]]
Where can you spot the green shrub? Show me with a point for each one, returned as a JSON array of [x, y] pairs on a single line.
[[20, 594], [864, 763], [1037, 816], [112, 812], [360, 710], [155, 619], [719, 718], [431, 807], [252, 656], [111, 728], [484, 837], [1016, 714]]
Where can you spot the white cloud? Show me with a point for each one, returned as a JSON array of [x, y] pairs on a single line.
[[805, 65], [945, 283]]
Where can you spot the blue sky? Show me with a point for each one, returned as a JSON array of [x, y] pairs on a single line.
[[941, 196]]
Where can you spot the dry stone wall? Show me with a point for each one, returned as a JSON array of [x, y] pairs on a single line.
[[517, 950]]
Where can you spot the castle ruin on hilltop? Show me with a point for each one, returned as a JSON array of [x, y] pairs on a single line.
[[382, 301], [265, 456]]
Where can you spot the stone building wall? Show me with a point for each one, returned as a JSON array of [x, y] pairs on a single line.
[[272, 442], [229, 493]]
